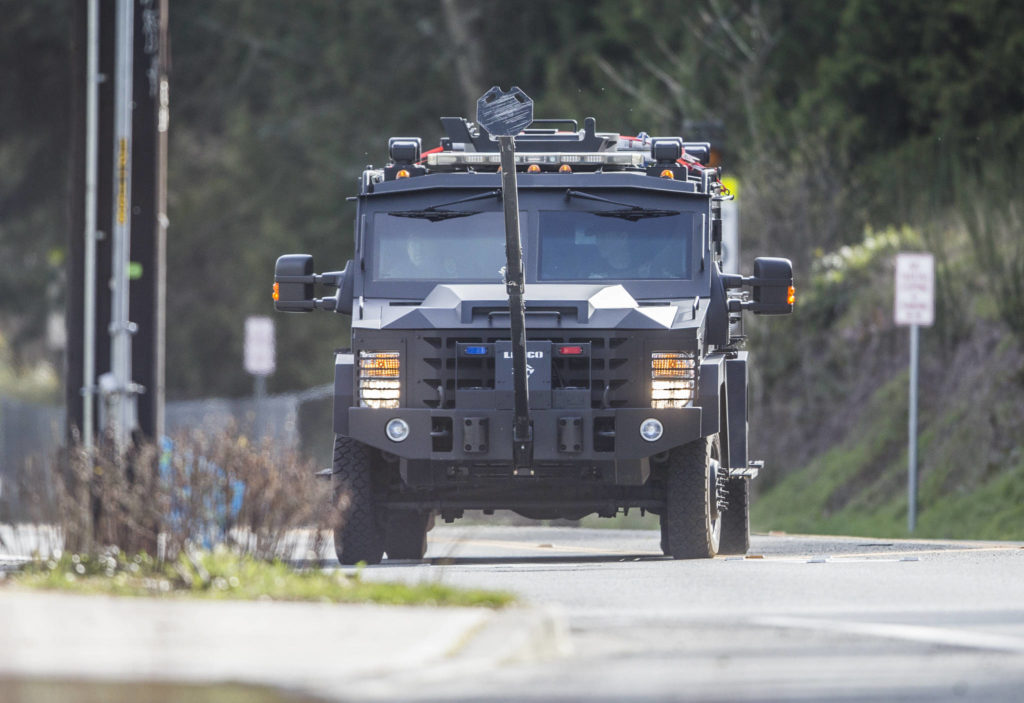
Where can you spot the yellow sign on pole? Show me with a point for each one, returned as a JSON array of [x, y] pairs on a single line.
[[733, 184]]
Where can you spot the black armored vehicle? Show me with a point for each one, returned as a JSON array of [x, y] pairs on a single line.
[[553, 337]]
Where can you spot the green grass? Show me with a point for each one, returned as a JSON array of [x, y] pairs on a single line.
[[224, 575], [812, 499], [859, 487], [28, 690]]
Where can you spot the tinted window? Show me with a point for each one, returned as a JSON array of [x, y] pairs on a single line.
[[458, 249], [585, 246]]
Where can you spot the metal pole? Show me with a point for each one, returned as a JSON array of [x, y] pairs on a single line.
[[122, 396], [521, 436], [912, 449], [91, 161], [163, 122]]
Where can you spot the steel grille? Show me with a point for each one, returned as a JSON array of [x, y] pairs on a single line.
[[617, 374]]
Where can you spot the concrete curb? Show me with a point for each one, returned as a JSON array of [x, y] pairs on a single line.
[[335, 651], [513, 636]]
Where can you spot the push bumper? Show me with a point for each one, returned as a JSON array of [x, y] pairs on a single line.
[[559, 435]]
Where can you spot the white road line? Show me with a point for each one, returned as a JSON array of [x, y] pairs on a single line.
[[913, 633], [546, 548]]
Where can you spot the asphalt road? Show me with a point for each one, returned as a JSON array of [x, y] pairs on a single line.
[[801, 618]]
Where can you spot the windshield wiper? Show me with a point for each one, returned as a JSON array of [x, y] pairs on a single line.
[[435, 214], [628, 212]]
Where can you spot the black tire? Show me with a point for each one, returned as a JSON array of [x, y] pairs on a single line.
[[358, 535], [405, 536], [736, 517], [691, 521]]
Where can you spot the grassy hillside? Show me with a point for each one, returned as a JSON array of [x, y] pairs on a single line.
[[851, 474]]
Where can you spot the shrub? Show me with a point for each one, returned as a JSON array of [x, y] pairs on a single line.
[[194, 489]]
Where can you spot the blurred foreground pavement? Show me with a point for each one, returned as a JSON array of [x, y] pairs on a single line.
[[328, 650]]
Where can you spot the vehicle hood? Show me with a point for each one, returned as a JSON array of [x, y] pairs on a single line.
[[558, 306]]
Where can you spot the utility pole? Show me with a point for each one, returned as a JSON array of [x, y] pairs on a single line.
[[116, 251], [147, 276], [89, 283], [119, 391]]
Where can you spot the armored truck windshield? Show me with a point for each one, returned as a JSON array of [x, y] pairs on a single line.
[[468, 247], [609, 246], [410, 250]]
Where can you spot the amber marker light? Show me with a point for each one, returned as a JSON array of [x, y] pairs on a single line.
[[667, 173], [402, 174], [565, 168], [276, 295], [533, 168], [381, 367], [791, 297], [671, 367]]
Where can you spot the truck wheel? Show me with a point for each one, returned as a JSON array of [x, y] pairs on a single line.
[[405, 536], [691, 521], [736, 517], [358, 535]]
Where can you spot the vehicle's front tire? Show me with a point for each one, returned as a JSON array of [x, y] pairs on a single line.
[[405, 536], [736, 517], [691, 522], [358, 535]]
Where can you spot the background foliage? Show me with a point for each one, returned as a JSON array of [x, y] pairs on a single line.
[[856, 128]]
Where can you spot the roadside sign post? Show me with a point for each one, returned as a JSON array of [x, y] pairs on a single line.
[[260, 352], [731, 228], [915, 307]]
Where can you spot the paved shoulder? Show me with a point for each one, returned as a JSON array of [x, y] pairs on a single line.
[[322, 648]]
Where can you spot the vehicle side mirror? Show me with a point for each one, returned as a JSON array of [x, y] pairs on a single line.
[[294, 283], [773, 292]]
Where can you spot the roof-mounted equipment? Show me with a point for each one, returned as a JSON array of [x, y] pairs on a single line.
[[404, 152]]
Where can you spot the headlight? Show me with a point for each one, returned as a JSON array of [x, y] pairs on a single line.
[[397, 430], [651, 429], [379, 379], [673, 377]]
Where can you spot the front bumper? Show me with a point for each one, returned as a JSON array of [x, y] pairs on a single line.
[[560, 436]]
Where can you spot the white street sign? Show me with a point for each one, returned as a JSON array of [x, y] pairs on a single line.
[[260, 355], [915, 289]]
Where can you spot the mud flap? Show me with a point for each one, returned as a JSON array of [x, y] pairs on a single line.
[[736, 393]]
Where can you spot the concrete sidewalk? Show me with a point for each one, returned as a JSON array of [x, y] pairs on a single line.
[[334, 651]]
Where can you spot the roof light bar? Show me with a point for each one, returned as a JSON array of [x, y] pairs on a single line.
[[454, 160]]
